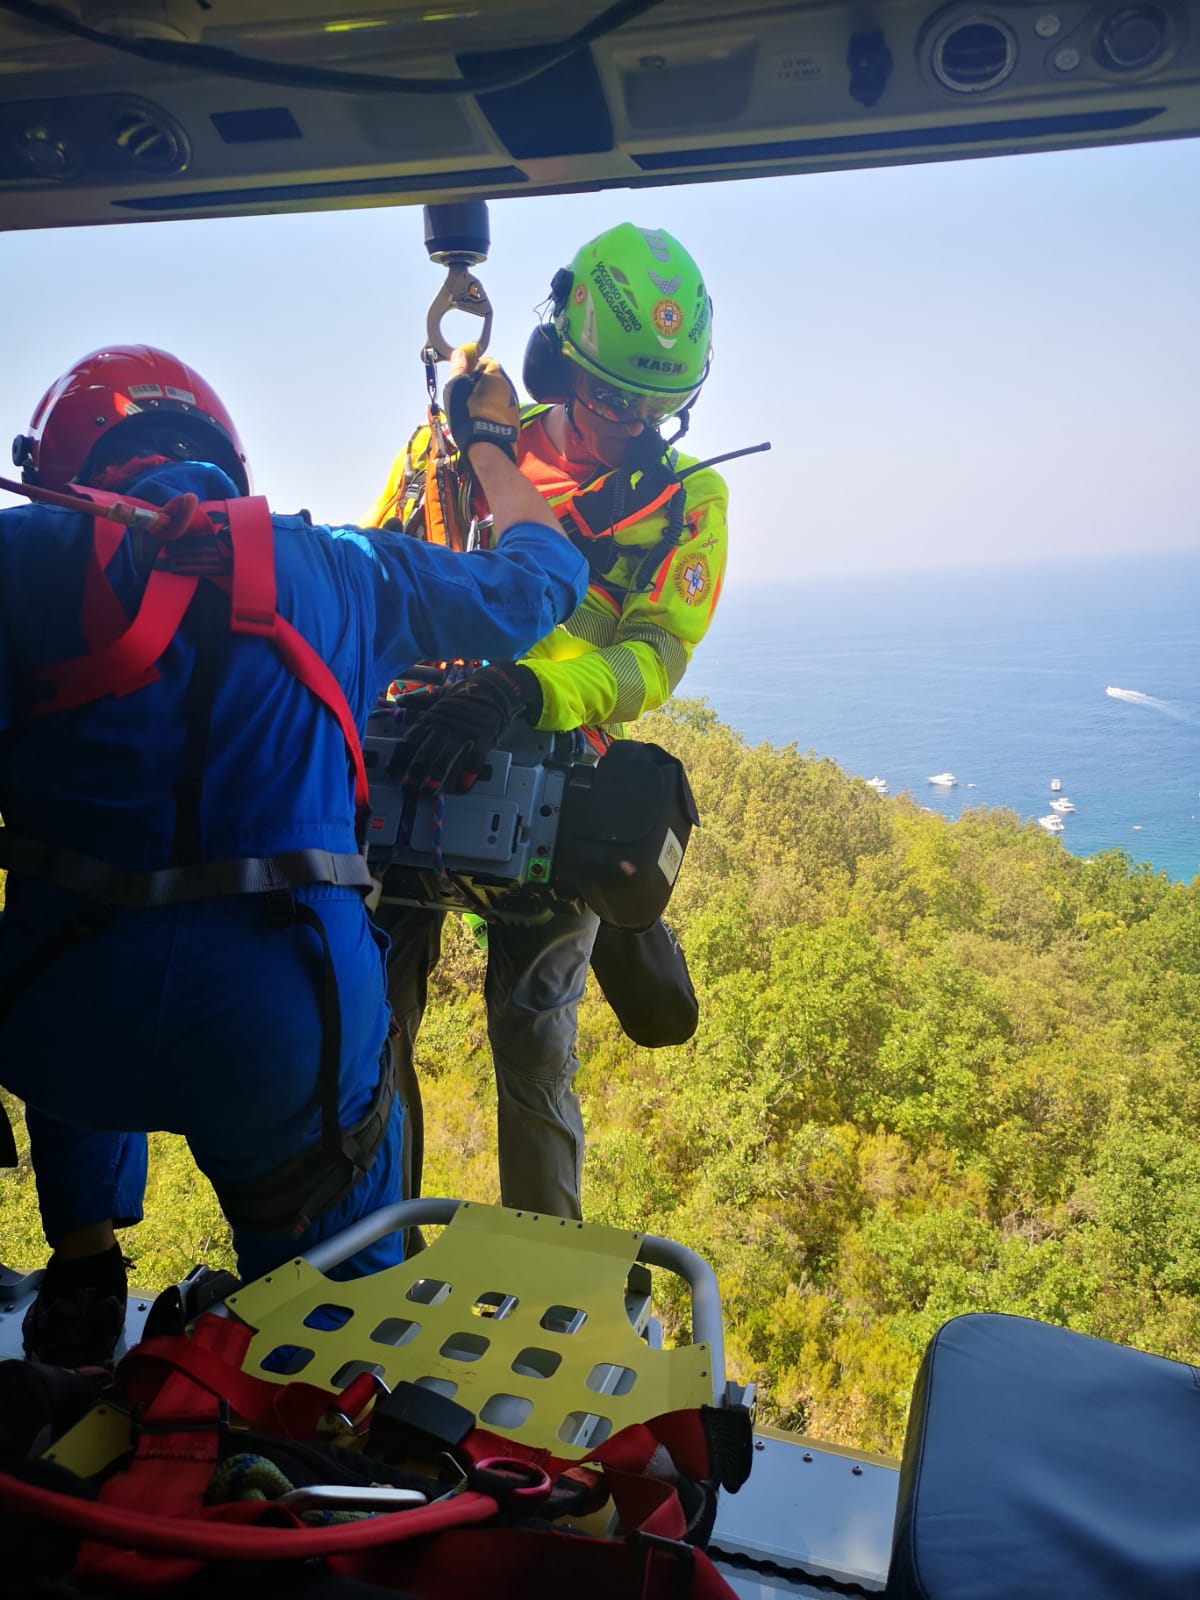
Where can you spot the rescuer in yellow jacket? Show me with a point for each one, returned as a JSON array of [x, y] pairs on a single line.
[[627, 347]]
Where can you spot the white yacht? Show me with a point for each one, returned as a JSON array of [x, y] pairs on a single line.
[[944, 780], [878, 784], [1064, 805], [1051, 823], [1056, 784]]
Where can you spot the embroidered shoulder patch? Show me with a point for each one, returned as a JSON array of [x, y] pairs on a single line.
[[692, 580]]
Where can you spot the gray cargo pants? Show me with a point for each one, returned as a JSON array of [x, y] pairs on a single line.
[[535, 980]]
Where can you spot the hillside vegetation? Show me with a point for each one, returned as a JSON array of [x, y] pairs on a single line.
[[941, 1067]]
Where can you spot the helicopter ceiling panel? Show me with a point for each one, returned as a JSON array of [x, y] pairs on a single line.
[[130, 110]]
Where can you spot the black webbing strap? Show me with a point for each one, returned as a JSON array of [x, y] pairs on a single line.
[[291, 1197], [206, 624], [409, 1089], [128, 890], [329, 1070], [412, 1149], [14, 986], [294, 1195]]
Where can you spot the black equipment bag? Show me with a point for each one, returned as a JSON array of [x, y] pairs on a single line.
[[625, 826], [1042, 1464], [644, 977]]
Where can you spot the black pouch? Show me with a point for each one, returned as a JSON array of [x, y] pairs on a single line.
[[625, 826], [644, 977]]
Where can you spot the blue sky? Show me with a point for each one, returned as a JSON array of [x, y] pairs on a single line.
[[961, 362]]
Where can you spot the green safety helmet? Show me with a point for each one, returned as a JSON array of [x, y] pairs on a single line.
[[632, 310]]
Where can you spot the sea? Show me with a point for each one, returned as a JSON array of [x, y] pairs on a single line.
[[1087, 671]]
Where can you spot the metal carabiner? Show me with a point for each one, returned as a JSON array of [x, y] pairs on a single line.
[[366, 1497], [363, 1389], [462, 291]]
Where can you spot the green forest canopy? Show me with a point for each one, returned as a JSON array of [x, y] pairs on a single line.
[[941, 1067]]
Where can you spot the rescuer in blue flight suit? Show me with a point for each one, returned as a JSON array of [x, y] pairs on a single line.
[[185, 944]]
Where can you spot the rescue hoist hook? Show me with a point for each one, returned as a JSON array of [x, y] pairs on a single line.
[[456, 237]]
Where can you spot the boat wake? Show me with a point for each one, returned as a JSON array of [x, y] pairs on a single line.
[[1134, 697]]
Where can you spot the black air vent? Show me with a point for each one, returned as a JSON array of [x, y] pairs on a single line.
[[260, 126], [974, 55], [148, 141]]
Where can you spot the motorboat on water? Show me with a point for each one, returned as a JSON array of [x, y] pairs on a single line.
[[1063, 805], [1051, 823], [878, 784], [1056, 784], [944, 780]]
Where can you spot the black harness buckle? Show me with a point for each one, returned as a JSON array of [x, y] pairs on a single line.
[[652, 1545]]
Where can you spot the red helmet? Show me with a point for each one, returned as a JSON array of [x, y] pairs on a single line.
[[126, 401]]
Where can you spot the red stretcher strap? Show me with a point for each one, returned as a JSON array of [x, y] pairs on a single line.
[[174, 1458], [517, 1563], [679, 1435], [292, 1410], [209, 1537], [640, 1467]]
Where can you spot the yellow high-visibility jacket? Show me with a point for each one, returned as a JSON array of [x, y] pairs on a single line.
[[626, 647]]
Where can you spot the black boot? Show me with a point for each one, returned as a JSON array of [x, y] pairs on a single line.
[[79, 1314]]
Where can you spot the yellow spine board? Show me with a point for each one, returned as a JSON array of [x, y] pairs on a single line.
[[520, 1318]]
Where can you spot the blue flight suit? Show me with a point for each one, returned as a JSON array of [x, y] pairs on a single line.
[[205, 1018]]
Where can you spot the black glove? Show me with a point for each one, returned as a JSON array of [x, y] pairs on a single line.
[[482, 408], [449, 743]]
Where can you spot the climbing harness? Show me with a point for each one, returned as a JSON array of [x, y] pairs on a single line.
[[213, 576]]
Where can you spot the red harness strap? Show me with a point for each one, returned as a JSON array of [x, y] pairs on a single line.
[[290, 1411], [174, 1458], [252, 610], [218, 1533], [122, 655], [183, 1391], [516, 1563]]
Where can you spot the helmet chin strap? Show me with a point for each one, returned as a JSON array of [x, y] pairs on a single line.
[[569, 408], [684, 419], [653, 438]]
